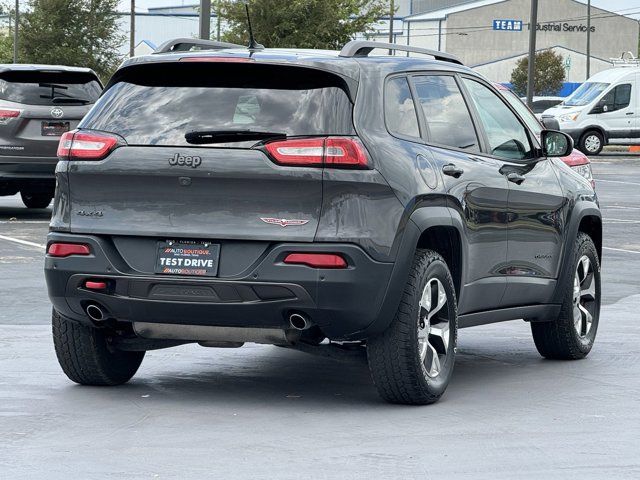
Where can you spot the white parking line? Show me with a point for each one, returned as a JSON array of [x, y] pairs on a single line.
[[619, 207], [621, 250], [619, 220], [22, 242], [616, 181], [23, 221]]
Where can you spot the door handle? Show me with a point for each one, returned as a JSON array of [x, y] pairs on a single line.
[[629, 113], [453, 171], [515, 178]]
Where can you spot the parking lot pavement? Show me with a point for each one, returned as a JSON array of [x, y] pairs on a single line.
[[266, 412]]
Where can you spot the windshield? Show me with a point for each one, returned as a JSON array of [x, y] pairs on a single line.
[[585, 94], [528, 117]]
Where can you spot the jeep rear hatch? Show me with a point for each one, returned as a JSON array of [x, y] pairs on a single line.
[[211, 150]]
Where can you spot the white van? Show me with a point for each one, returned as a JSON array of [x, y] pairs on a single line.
[[603, 110]]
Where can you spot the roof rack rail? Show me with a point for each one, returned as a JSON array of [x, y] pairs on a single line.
[[362, 48], [185, 44]]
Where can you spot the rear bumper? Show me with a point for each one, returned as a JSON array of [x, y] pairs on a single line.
[[26, 167], [343, 303]]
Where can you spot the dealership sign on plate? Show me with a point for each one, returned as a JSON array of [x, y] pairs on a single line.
[[510, 25]]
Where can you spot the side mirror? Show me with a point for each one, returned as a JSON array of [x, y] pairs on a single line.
[[556, 144], [550, 123]]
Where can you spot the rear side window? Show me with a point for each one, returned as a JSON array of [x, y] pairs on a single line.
[[399, 109], [446, 113], [162, 103], [617, 98], [49, 88]]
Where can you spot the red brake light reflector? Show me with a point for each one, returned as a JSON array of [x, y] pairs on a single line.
[[81, 145], [316, 260], [67, 249], [95, 285], [336, 152], [9, 113]]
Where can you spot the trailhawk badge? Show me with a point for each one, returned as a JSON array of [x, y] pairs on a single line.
[[283, 222]]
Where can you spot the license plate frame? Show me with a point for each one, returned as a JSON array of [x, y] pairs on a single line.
[[54, 129], [187, 258]]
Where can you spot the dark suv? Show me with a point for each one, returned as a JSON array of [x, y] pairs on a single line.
[[38, 103], [318, 201]]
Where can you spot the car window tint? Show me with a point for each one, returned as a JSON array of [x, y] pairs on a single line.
[[506, 135], [162, 103], [399, 109], [445, 111], [49, 88]]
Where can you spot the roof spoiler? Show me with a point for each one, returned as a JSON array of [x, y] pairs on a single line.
[[186, 44], [362, 48]]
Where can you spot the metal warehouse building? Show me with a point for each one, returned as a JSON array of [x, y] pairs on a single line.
[[491, 35]]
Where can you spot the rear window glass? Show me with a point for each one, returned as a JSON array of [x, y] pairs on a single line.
[[160, 109], [49, 88]]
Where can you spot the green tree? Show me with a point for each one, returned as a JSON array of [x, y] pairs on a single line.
[[548, 76], [300, 23], [80, 33]]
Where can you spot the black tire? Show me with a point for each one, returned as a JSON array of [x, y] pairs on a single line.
[[36, 200], [591, 143], [395, 362], [559, 339], [86, 357]]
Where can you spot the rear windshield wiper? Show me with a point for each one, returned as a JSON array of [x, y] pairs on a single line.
[[70, 100], [202, 137]]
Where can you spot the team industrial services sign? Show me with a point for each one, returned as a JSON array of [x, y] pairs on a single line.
[[508, 25], [516, 26]]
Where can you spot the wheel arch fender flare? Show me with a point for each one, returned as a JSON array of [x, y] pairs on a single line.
[[584, 213], [418, 222]]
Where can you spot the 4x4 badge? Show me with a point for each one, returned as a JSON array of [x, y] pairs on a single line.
[[283, 222]]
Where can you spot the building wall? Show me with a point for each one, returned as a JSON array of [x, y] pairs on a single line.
[[500, 70], [613, 33]]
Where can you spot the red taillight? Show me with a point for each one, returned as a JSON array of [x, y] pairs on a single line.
[[336, 152], [80, 145], [66, 249], [316, 260], [307, 152], [9, 113]]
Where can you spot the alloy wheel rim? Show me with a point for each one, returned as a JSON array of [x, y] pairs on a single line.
[[592, 143], [584, 296], [434, 333]]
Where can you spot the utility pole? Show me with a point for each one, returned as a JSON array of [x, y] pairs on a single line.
[[218, 20], [533, 23], [391, 12], [205, 19], [588, 39], [132, 29], [15, 33]]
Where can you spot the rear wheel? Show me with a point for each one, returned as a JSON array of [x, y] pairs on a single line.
[[412, 361], [591, 143], [87, 358], [572, 334], [36, 200]]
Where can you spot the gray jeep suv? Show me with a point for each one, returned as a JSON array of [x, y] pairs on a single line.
[[38, 103], [325, 201]]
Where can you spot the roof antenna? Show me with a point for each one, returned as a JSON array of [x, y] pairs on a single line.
[[253, 45]]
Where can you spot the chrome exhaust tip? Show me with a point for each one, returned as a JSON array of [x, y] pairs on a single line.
[[95, 312], [299, 321]]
